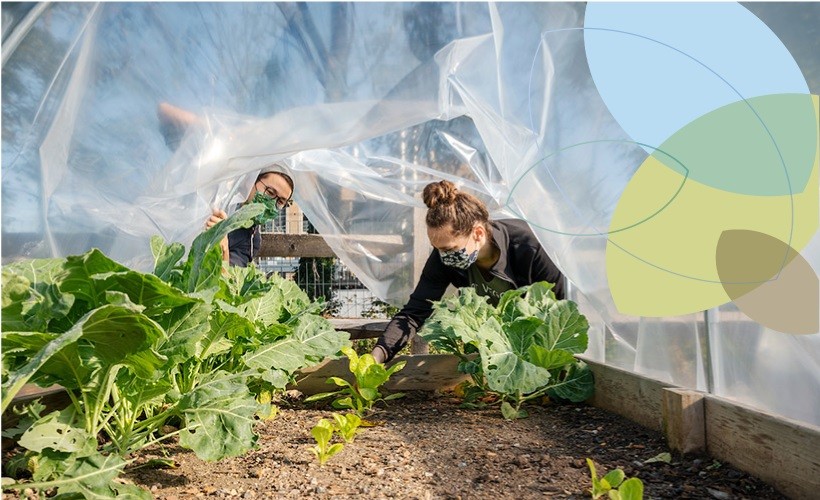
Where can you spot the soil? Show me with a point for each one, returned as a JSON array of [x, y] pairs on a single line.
[[427, 447]]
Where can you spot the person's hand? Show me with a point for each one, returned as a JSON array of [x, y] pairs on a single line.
[[379, 354], [216, 217]]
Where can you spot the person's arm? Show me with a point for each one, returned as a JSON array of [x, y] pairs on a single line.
[[544, 269], [174, 122], [431, 286]]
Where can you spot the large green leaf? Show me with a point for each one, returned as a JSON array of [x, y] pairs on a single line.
[[116, 331], [123, 335], [165, 257], [59, 431], [199, 266], [549, 359], [64, 367], [541, 294], [147, 290], [264, 310], [37, 271], [219, 417], [31, 298], [139, 392], [78, 270], [240, 284], [15, 291], [521, 334], [20, 347], [566, 328], [457, 319], [505, 370], [223, 326], [507, 307], [313, 338], [93, 478], [185, 327], [533, 300], [294, 300], [507, 373], [576, 385], [90, 477]]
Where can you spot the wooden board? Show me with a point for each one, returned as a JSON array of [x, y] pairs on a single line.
[[423, 372], [315, 245], [630, 395], [780, 451], [294, 245], [360, 328]]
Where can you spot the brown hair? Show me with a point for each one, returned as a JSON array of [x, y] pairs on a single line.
[[281, 174], [447, 205]]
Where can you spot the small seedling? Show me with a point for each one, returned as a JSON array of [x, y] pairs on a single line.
[[323, 433], [364, 392], [347, 425], [612, 485]]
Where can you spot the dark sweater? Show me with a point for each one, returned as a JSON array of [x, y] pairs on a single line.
[[244, 245], [522, 262]]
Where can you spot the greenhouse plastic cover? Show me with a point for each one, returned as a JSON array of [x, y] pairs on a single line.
[[546, 111]]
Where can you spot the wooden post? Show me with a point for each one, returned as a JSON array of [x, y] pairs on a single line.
[[421, 251], [683, 420]]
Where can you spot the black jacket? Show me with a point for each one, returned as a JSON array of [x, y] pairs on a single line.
[[244, 245], [522, 262]]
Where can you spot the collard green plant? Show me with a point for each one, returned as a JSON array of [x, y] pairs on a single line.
[[613, 485], [520, 350], [363, 393], [193, 343]]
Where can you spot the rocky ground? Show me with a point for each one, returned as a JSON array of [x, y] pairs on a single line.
[[427, 447]]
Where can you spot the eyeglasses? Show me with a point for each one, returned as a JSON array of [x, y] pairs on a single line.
[[280, 202]]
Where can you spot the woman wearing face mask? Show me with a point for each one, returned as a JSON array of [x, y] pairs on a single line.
[[273, 188], [469, 250]]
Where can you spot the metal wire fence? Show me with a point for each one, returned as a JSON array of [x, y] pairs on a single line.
[[322, 278]]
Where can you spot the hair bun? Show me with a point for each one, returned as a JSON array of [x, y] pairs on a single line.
[[439, 193]]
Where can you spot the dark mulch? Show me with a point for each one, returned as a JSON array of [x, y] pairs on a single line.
[[428, 447]]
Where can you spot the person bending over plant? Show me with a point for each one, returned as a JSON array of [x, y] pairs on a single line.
[[469, 250]]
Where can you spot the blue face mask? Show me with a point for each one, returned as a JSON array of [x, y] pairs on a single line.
[[459, 259]]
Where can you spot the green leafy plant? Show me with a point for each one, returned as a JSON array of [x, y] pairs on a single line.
[[347, 425], [192, 343], [363, 393], [323, 433], [518, 351], [613, 485]]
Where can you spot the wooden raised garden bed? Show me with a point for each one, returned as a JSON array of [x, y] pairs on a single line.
[[426, 446]]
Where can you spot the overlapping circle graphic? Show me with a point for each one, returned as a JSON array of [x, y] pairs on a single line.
[[727, 194]]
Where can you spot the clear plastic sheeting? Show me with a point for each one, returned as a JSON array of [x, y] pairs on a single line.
[[364, 104]]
